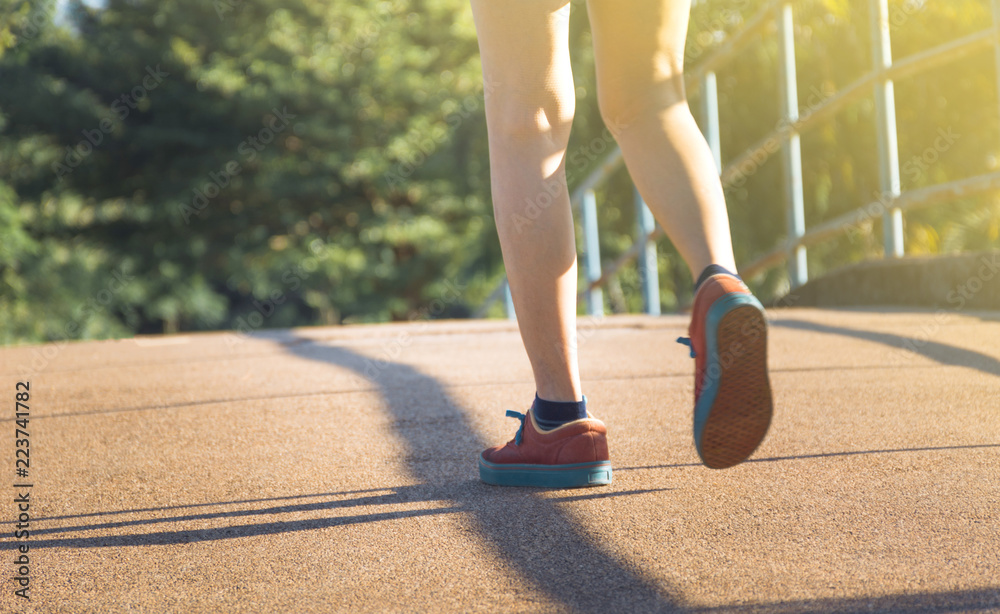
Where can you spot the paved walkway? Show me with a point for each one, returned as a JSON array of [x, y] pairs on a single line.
[[333, 470]]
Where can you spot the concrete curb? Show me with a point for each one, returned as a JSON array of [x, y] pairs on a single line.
[[961, 281]]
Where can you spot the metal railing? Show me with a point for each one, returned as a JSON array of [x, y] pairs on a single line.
[[786, 139]]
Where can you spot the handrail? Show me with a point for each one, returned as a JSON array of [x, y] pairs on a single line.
[[631, 254], [931, 58], [907, 201], [942, 54], [604, 169], [492, 298], [731, 46]]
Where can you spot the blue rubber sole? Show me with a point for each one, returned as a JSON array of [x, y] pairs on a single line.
[[597, 473], [716, 372]]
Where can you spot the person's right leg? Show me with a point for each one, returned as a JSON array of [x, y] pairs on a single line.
[[639, 53]]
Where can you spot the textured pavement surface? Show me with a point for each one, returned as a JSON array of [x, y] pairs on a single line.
[[334, 470]]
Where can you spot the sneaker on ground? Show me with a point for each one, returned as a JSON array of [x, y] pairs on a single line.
[[574, 454]]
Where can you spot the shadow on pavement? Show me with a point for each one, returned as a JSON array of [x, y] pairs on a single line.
[[977, 600], [936, 351], [773, 459], [393, 496]]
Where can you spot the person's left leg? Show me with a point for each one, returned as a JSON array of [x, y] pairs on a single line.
[[529, 109]]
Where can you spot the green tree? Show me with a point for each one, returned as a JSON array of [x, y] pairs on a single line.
[[301, 160]]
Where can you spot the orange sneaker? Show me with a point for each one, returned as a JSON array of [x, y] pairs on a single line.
[[574, 454], [732, 393]]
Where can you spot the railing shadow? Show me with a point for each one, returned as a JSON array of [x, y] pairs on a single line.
[[972, 600], [774, 459], [392, 496], [939, 352]]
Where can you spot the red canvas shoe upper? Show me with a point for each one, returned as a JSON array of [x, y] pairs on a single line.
[[711, 290], [580, 441]]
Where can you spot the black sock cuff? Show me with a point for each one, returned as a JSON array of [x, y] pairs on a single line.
[[712, 269], [551, 414]]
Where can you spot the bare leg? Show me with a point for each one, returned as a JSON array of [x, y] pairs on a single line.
[[639, 51], [639, 47], [529, 110]]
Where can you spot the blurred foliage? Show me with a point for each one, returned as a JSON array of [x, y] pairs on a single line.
[[189, 165], [309, 161]]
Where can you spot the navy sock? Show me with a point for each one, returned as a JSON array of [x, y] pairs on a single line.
[[712, 269], [552, 414]]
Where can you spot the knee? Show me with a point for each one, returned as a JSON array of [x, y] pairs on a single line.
[[515, 120], [625, 98]]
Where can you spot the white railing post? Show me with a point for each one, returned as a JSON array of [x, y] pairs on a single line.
[[592, 253], [798, 272], [508, 301], [649, 274], [710, 116], [996, 41], [885, 124]]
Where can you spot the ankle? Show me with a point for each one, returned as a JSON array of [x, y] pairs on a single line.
[[713, 269], [553, 414]]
